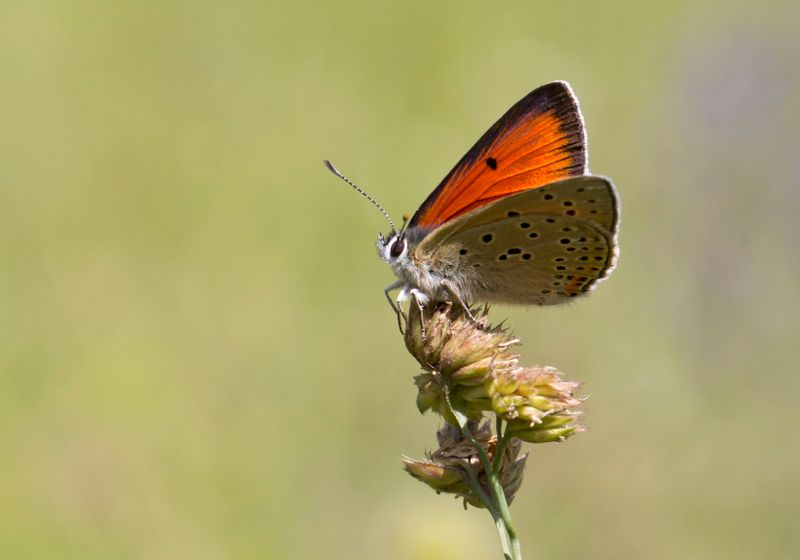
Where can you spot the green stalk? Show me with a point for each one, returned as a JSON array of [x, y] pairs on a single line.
[[502, 442], [496, 517], [499, 501], [497, 490]]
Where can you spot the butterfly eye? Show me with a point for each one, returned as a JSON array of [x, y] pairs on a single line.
[[398, 247]]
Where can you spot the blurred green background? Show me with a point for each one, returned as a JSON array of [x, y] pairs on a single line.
[[197, 361]]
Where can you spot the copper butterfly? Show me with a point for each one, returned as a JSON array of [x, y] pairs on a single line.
[[518, 220]]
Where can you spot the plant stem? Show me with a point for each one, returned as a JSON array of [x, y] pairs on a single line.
[[498, 507], [502, 441], [496, 517], [497, 489]]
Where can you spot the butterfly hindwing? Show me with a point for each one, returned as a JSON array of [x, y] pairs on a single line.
[[539, 140], [538, 247]]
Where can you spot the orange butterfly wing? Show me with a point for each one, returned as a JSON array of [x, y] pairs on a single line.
[[539, 140]]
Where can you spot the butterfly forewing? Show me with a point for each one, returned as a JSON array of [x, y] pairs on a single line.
[[538, 247], [539, 140]]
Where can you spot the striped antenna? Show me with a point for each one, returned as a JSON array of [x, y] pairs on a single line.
[[336, 172]]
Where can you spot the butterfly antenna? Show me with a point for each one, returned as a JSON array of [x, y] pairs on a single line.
[[336, 172]]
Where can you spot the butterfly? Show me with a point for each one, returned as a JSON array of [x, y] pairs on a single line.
[[518, 220]]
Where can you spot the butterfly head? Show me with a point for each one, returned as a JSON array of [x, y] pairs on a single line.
[[393, 248]]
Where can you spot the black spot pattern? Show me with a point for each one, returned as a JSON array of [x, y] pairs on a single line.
[[542, 251]]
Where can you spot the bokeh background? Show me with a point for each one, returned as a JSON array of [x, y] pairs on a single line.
[[196, 358]]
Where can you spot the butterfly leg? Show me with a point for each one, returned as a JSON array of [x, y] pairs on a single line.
[[420, 300], [451, 289], [396, 306]]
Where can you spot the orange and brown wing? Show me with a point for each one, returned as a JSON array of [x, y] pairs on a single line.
[[539, 140]]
